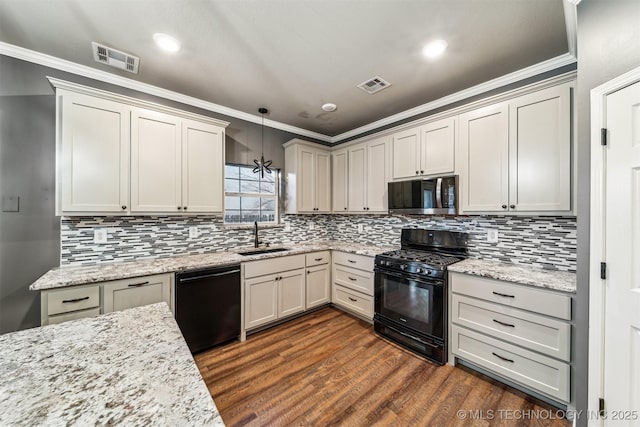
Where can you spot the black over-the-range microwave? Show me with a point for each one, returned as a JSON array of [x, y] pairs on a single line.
[[435, 196]]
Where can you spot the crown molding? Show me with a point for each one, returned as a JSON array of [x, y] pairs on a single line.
[[542, 67], [103, 76], [570, 8]]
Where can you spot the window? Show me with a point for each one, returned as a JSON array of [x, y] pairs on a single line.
[[248, 196]]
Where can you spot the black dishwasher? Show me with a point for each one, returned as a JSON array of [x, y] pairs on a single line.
[[208, 306]]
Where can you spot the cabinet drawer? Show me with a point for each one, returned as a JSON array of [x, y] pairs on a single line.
[[355, 301], [73, 315], [512, 295], [123, 294], [73, 299], [543, 334], [273, 265], [530, 369], [357, 280], [356, 261], [317, 258]]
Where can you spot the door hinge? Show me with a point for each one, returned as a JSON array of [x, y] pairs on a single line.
[[603, 270], [603, 136], [601, 407]]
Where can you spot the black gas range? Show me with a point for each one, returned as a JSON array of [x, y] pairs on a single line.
[[411, 290]]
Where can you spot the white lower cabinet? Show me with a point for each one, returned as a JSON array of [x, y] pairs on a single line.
[[261, 301], [130, 293], [516, 332], [77, 302], [352, 288], [318, 285]]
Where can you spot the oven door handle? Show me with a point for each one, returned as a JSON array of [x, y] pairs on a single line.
[[439, 193], [409, 277]]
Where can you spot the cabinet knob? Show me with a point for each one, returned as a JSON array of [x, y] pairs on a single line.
[[422, 172], [512, 206], [417, 172], [185, 208], [124, 207], [179, 208], [308, 271], [345, 208], [504, 206]]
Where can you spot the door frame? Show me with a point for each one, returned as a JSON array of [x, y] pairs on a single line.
[[597, 234]]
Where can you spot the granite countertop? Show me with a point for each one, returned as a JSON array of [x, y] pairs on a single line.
[[129, 367], [60, 277], [556, 280]]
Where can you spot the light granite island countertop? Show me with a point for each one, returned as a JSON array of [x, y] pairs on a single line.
[[515, 273], [60, 277], [129, 367]]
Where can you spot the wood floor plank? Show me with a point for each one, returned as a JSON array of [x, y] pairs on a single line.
[[329, 368]]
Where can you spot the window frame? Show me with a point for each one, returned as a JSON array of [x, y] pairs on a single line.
[[275, 196]]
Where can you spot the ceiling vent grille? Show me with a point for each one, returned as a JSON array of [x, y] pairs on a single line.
[[374, 84], [115, 58]]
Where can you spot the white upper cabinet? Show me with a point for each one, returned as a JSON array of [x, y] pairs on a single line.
[[120, 155], [202, 166], [425, 150], [156, 166], [516, 155], [540, 151], [307, 178], [367, 176], [339, 187], [93, 165]]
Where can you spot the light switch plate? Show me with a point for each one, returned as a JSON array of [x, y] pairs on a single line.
[[312, 226], [360, 228], [193, 232], [100, 235], [287, 226], [492, 236]]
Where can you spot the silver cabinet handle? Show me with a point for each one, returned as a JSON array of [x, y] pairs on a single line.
[[75, 300]]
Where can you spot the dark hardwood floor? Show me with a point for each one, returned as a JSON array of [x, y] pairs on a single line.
[[329, 368]]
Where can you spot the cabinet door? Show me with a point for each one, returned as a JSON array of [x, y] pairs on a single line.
[[357, 178], [306, 180], [318, 285], [155, 162], [406, 154], [340, 201], [202, 167], [291, 292], [261, 295], [540, 151], [94, 144], [124, 294], [376, 181], [437, 147], [484, 147], [323, 181]]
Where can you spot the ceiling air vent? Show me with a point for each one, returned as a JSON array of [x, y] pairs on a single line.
[[373, 85], [115, 58]]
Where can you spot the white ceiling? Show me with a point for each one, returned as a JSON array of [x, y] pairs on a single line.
[[292, 56]]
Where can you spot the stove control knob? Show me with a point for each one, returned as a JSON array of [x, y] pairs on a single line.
[[419, 270], [403, 267], [428, 273]]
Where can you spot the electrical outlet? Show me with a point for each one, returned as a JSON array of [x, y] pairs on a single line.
[[99, 235], [312, 226], [360, 228], [193, 232], [492, 236], [287, 226], [368, 229]]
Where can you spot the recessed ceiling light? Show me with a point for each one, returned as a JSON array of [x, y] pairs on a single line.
[[166, 42], [329, 107], [435, 48]]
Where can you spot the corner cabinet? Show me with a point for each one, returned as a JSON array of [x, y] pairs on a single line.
[[425, 150], [120, 155], [307, 178], [516, 155], [367, 176]]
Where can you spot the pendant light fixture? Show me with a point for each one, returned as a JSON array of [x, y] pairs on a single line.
[[262, 165]]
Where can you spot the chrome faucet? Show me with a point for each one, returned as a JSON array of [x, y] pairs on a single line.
[[256, 242]]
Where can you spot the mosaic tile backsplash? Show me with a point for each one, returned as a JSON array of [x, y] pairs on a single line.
[[544, 242]]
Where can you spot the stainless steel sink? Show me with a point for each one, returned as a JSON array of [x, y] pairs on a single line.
[[263, 251]]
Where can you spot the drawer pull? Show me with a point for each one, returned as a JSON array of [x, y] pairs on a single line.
[[351, 261], [75, 300], [135, 285], [503, 295], [318, 259], [502, 358], [504, 324], [353, 299], [352, 279]]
